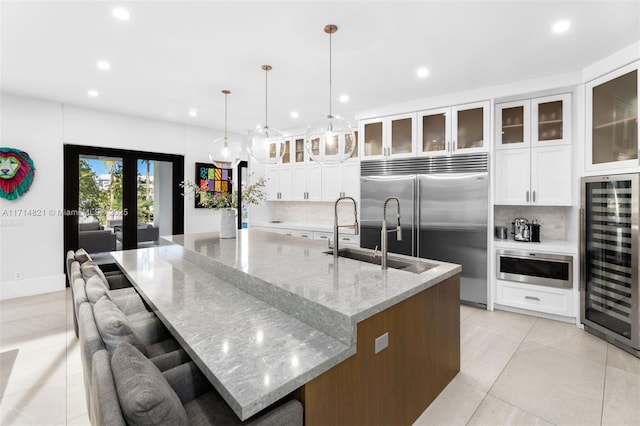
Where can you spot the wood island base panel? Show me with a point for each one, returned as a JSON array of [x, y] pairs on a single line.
[[394, 386]]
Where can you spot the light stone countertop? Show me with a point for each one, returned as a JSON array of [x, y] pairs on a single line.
[[263, 313]]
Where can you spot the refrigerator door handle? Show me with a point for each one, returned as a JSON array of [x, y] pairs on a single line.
[[583, 243]]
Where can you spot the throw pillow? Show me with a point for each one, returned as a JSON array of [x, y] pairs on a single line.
[[114, 327], [82, 255], [89, 269], [95, 289], [146, 398]]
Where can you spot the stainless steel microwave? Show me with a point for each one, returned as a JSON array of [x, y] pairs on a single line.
[[552, 270]]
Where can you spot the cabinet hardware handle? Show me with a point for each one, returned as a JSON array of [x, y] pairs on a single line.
[[534, 196], [532, 298], [527, 196], [453, 146], [323, 237], [346, 239]]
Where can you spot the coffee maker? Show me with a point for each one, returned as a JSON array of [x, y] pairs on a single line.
[[521, 229]]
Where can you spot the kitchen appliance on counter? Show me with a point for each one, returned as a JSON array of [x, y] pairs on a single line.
[[523, 230], [501, 233], [609, 259], [444, 212], [520, 229]]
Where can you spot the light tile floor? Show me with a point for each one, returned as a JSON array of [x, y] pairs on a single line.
[[515, 369]]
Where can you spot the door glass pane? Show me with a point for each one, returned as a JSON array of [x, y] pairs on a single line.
[[433, 132], [401, 142], [354, 154], [373, 139], [286, 158], [609, 256], [615, 120], [550, 121], [513, 125], [299, 150], [100, 211], [154, 201], [470, 128]]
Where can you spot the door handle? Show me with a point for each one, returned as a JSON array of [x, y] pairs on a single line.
[[527, 196], [532, 298], [534, 195]]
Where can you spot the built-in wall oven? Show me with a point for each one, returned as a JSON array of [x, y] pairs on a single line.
[[552, 270]]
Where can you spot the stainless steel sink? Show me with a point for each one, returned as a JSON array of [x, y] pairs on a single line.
[[410, 265]]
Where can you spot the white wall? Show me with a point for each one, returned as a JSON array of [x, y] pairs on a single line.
[[31, 255], [31, 247]]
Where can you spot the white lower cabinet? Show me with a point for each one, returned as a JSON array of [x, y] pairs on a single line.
[[537, 298], [348, 239]]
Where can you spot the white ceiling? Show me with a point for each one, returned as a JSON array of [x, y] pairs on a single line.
[[175, 55]]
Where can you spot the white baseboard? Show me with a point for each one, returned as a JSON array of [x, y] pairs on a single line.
[[33, 286]]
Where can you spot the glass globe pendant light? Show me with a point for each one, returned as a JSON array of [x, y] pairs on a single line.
[[266, 144], [225, 155], [330, 140]]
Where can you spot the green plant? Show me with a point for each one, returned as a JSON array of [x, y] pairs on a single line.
[[252, 194]]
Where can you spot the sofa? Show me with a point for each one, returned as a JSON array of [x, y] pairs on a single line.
[[95, 239], [146, 232]]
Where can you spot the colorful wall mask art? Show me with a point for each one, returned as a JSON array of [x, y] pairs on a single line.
[[16, 173]]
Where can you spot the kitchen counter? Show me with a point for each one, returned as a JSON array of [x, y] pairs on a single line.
[[263, 314], [549, 246]]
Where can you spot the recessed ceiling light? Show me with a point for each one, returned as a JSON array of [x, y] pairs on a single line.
[[344, 98], [561, 26], [193, 112], [104, 65], [121, 14], [294, 114], [422, 72], [92, 93]]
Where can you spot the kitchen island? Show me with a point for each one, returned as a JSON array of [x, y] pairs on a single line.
[[268, 316]]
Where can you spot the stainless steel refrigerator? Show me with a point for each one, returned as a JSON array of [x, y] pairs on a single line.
[[444, 213], [609, 258]]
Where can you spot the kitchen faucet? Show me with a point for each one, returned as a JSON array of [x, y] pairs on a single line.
[[384, 232], [336, 226]]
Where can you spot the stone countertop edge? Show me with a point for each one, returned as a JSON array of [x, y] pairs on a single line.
[[263, 401]]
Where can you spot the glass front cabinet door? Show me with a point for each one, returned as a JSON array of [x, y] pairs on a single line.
[[612, 120], [551, 118], [388, 137], [454, 130], [513, 124]]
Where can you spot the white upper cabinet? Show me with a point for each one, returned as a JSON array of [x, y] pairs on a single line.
[[513, 124], [539, 176], [454, 130], [307, 182], [551, 118], [341, 180], [279, 182], [612, 120], [388, 137]]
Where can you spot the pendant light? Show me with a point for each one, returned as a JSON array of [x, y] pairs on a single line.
[[225, 155], [330, 140], [266, 144]]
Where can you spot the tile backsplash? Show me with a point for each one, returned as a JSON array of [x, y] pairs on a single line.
[[316, 213], [551, 219]]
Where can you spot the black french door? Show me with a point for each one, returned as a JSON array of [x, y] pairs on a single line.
[[118, 199]]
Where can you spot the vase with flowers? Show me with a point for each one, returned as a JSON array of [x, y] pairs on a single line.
[[227, 203]]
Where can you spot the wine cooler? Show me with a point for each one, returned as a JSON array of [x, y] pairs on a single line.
[[609, 259]]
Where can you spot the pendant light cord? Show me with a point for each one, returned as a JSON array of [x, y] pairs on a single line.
[[266, 97], [330, 79], [225, 118]]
